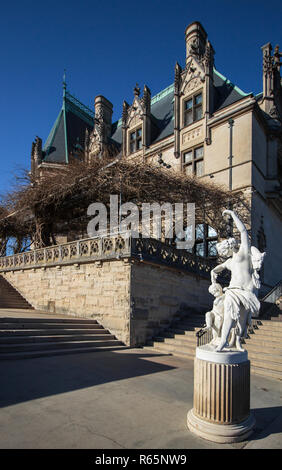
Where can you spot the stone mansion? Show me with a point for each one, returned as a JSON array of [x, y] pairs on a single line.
[[203, 125]]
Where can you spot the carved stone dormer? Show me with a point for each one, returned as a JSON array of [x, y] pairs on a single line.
[[36, 155], [194, 91], [137, 118], [97, 140]]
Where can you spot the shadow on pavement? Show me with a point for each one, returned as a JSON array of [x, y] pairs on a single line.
[[28, 379], [265, 418]]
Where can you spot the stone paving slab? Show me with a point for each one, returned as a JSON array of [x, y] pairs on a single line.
[[129, 399]]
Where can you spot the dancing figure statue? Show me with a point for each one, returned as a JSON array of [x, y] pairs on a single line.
[[240, 300]]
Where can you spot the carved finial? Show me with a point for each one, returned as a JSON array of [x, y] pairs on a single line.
[[64, 83], [177, 76], [208, 58], [125, 107], [277, 56], [136, 90], [147, 98]]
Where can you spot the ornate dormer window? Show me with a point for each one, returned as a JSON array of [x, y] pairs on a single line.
[[135, 142], [136, 122], [193, 109]]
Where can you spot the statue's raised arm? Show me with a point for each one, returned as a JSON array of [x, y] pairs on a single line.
[[244, 246]]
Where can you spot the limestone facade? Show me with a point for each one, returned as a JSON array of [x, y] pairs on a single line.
[[205, 126]]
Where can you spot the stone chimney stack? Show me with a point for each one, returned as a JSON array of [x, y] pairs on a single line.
[[196, 38], [103, 113]]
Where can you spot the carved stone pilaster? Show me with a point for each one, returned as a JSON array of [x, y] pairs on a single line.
[[125, 108], [177, 85]]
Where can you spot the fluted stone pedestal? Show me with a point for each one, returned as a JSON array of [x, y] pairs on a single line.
[[221, 411]]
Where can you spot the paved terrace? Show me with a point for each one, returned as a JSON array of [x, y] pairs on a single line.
[[126, 399]]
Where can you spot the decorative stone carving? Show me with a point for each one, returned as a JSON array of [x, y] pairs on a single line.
[[192, 135], [95, 141], [98, 138], [193, 77]]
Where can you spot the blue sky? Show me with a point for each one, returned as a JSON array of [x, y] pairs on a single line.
[[108, 46]]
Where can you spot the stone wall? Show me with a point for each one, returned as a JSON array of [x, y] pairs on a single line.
[[97, 290], [159, 293], [128, 297]]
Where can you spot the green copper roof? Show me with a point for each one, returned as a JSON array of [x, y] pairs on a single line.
[[68, 130]]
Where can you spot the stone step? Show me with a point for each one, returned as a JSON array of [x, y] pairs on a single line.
[[180, 332], [42, 332], [9, 348], [266, 372], [188, 325], [11, 297], [266, 364], [156, 348], [57, 338], [273, 356], [177, 341], [269, 348], [173, 349], [15, 305], [270, 324], [268, 334], [263, 340], [46, 320], [47, 325], [58, 352]]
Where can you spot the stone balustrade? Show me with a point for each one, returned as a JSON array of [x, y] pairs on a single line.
[[108, 247]]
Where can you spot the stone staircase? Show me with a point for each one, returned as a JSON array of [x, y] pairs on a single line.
[[10, 297], [264, 343], [179, 338], [34, 336]]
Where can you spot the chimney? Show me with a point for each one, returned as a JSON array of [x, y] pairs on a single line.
[[195, 37], [103, 112]]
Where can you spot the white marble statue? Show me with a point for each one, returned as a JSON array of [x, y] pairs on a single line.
[[239, 300], [214, 318]]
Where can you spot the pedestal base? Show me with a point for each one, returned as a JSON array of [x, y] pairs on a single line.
[[222, 433], [221, 411]]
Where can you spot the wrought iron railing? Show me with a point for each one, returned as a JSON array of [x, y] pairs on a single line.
[[205, 336], [148, 249], [274, 293]]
